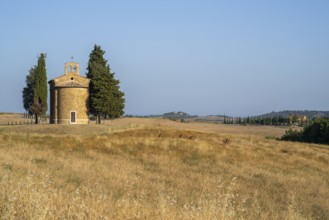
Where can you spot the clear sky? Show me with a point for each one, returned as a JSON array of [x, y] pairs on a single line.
[[199, 56]]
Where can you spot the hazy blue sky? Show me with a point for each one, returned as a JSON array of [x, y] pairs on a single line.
[[203, 57]]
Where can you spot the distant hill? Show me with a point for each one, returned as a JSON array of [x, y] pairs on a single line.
[[188, 117], [176, 115], [286, 113], [220, 118]]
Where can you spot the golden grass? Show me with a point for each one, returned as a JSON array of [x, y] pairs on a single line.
[[159, 169], [133, 123]]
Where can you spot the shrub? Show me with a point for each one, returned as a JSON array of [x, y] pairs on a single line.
[[317, 132], [292, 135]]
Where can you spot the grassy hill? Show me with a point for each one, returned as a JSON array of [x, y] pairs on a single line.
[[159, 169]]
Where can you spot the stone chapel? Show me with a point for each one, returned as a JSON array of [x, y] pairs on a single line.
[[69, 97]]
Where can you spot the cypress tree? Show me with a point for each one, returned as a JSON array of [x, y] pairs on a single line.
[[40, 105], [105, 95]]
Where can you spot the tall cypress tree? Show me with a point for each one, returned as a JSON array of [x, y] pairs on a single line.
[[40, 105], [28, 91], [105, 95]]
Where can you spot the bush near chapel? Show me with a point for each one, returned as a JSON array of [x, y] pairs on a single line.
[[317, 132]]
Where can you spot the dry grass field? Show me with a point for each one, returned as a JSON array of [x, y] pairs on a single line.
[[159, 169]]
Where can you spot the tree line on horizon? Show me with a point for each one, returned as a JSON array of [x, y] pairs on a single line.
[[105, 97], [267, 120]]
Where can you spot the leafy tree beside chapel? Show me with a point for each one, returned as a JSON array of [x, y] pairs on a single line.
[[28, 91], [105, 97]]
